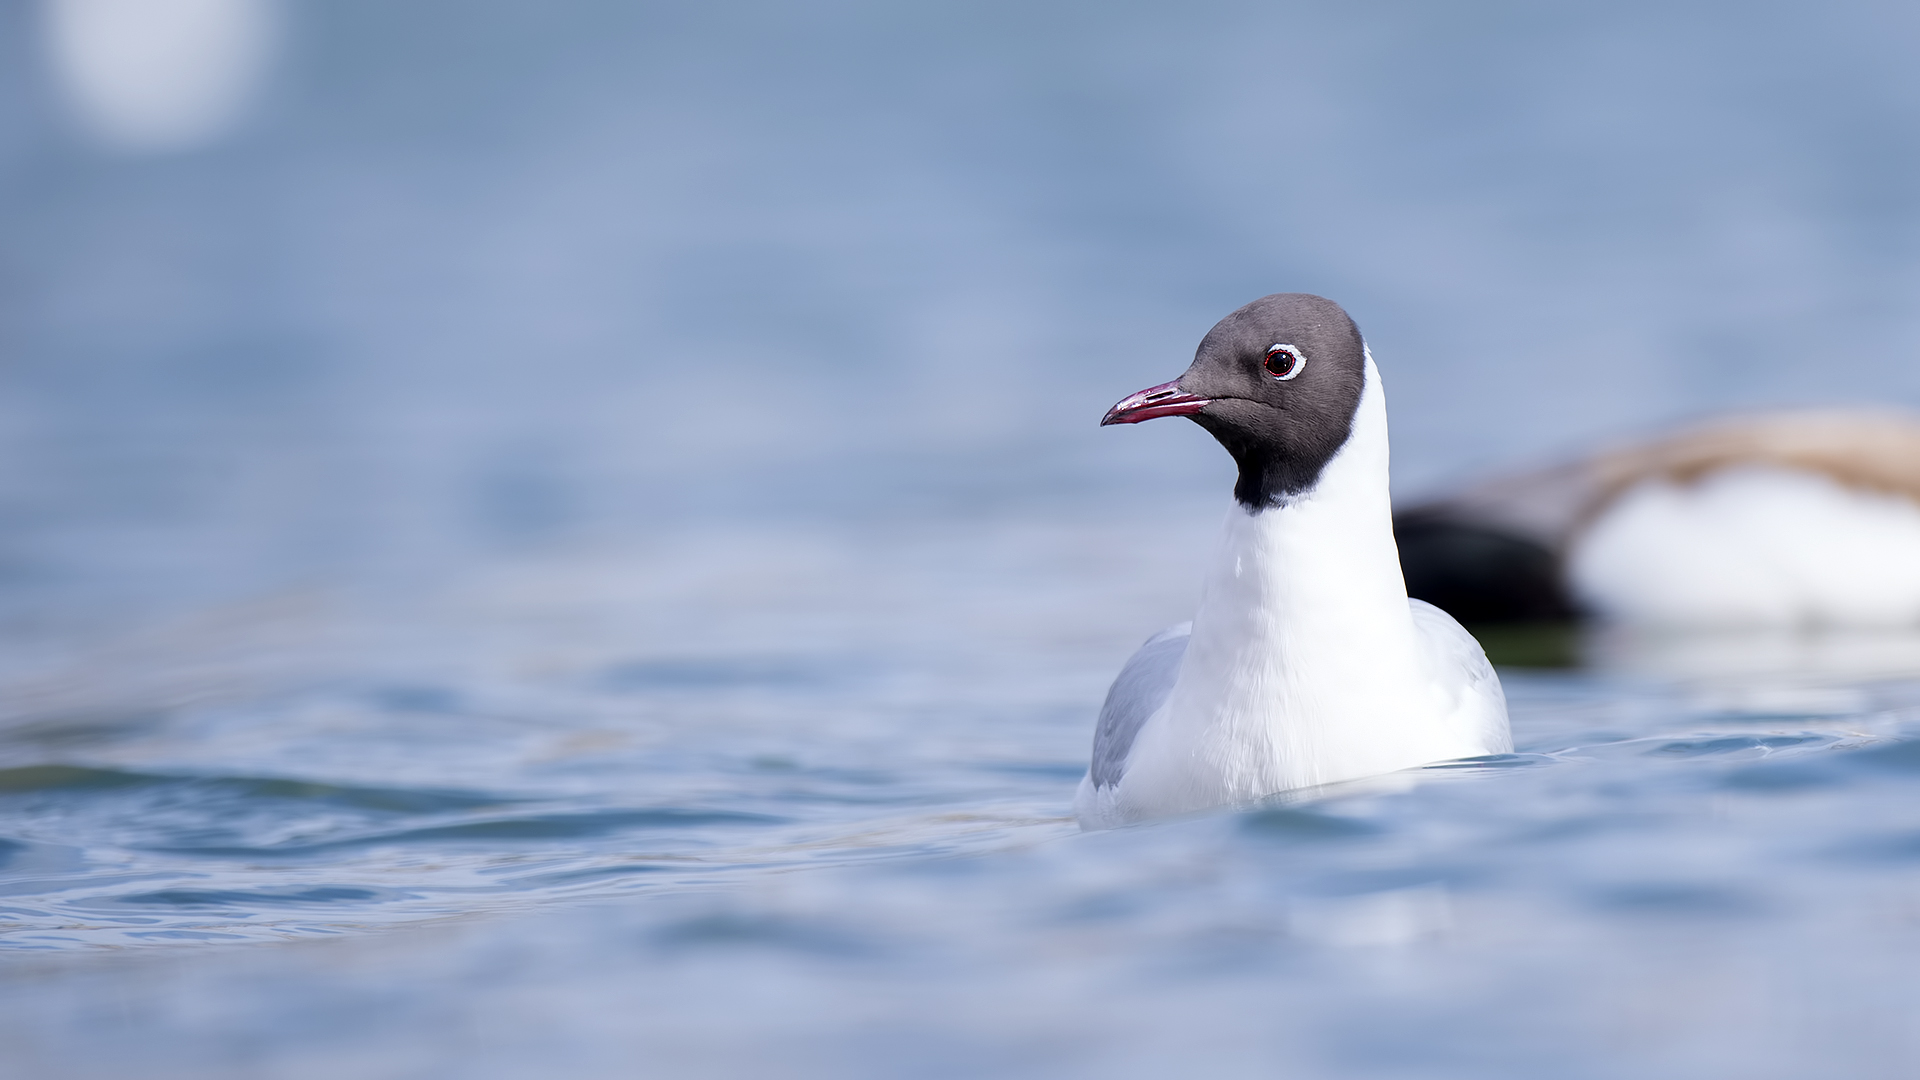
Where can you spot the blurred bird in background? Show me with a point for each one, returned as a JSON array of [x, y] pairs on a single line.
[[1806, 519]]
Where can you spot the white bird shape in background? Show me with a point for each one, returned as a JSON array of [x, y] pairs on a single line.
[[1306, 663], [1792, 520]]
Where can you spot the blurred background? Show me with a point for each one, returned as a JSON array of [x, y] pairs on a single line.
[[461, 457], [297, 292]]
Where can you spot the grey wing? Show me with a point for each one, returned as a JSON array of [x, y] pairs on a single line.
[[1461, 669], [1136, 694]]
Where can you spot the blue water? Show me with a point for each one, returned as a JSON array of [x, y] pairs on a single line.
[[574, 543]]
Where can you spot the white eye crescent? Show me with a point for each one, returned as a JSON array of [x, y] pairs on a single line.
[[1284, 361]]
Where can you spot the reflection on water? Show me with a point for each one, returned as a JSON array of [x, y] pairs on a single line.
[[1757, 656]]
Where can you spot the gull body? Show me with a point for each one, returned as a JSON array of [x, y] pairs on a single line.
[[1306, 663]]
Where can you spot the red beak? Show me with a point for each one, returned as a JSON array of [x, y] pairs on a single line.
[[1153, 402]]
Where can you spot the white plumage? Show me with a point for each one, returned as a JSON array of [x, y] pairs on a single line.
[[1306, 663], [1752, 546], [1794, 520]]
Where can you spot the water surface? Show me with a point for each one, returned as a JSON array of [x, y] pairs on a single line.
[[544, 824]]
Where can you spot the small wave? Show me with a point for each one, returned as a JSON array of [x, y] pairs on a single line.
[[230, 899], [543, 827], [41, 779]]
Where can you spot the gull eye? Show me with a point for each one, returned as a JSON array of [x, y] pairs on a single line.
[[1284, 361]]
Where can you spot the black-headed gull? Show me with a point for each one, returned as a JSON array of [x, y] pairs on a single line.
[[1306, 663]]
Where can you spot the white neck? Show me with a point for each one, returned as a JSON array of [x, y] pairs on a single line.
[[1304, 667]]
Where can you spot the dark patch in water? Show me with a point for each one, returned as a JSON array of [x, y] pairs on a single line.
[[1733, 744], [1282, 823], [574, 877], [39, 779], [1548, 645], [763, 932], [69, 778], [1678, 899], [391, 800], [69, 732], [239, 898], [577, 826]]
